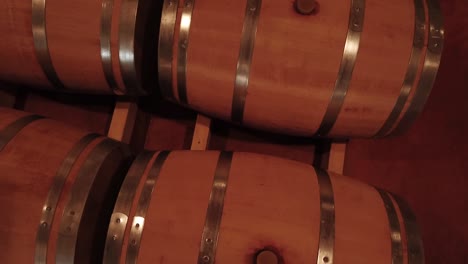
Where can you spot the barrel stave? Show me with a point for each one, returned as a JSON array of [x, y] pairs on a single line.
[[270, 204], [41, 165], [346, 70]]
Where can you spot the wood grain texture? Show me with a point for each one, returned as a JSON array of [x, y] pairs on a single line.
[[18, 47], [27, 174], [381, 65], [74, 43], [170, 128], [216, 27], [133, 208], [92, 113], [186, 234], [233, 138], [129, 123], [73, 33], [29, 163], [261, 211], [296, 63], [428, 165], [62, 203], [337, 157], [123, 121], [201, 133]]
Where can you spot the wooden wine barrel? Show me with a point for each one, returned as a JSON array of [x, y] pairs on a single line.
[[212, 207], [82, 45], [57, 189], [352, 68]]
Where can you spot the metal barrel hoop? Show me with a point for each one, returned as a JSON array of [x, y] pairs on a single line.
[[138, 221], [10, 131], [41, 46], [244, 62], [55, 191], [119, 219], [165, 53], [413, 66], [348, 61], [394, 226], [435, 44], [326, 244], [214, 212]]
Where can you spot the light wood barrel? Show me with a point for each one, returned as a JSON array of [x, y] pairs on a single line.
[[352, 68], [81, 46], [212, 207], [57, 189]]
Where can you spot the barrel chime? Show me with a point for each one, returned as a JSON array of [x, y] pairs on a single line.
[[358, 68]]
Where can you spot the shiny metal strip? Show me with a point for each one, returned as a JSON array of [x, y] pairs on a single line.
[[395, 231], [50, 205], [431, 67], [166, 42], [244, 62], [41, 46], [9, 132], [413, 66], [214, 212], [351, 50], [138, 223], [413, 236], [73, 212], [327, 218], [123, 205], [127, 34], [106, 51], [185, 22]]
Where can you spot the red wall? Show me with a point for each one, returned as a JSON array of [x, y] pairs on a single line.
[[429, 164]]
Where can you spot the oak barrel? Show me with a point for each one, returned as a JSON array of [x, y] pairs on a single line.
[[57, 189], [82, 45], [352, 68], [212, 207]]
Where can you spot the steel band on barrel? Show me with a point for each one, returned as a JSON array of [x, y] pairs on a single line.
[[138, 222], [73, 211], [327, 218], [410, 78], [128, 31], [9, 132], [185, 22], [106, 51], [165, 53], [351, 50], [50, 204], [119, 218], [413, 236], [126, 46], [430, 68], [41, 45], [395, 230], [244, 62], [214, 212]]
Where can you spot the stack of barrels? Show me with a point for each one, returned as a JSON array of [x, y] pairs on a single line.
[[72, 196], [303, 68]]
